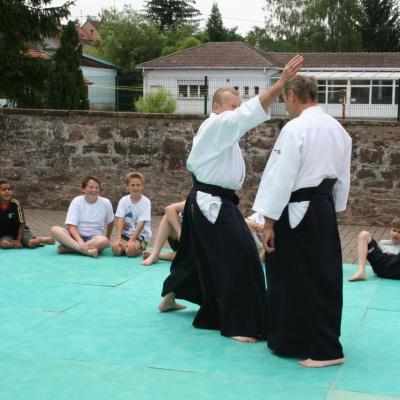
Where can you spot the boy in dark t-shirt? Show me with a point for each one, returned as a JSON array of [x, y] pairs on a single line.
[[13, 231]]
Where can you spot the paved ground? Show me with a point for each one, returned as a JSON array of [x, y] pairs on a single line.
[[40, 221]]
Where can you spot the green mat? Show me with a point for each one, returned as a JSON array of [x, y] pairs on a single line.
[[76, 326]]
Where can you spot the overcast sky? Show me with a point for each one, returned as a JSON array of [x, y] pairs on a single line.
[[241, 13]]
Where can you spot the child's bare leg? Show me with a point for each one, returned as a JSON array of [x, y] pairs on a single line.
[[168, 303], [164, 230], [68, 244], [364, 238], [133, 250], [6, 244], [97, 244], [320, 364], [167, 256], [45, 240], [32, 243]]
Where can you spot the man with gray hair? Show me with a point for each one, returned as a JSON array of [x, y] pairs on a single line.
[[305, 182]]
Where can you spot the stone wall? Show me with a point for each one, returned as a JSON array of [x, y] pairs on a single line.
[[45, 154]]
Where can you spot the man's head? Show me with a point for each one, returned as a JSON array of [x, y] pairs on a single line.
[[5, 191], [225, 99], [135, 183], [395, 230], [299, 93]]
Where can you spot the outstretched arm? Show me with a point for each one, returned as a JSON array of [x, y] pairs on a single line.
[[289, 71]]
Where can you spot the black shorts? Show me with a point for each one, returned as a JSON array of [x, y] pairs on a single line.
[[385, 265], [173, 243]]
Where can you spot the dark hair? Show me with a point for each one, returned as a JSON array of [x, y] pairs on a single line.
[[304, 87], [86, 180], [134, 175], [4, 182]]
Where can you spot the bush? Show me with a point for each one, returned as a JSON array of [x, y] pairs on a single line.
[[160, 101]]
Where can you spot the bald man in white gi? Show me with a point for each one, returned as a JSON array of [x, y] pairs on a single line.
[[306, 181], [217, 264]]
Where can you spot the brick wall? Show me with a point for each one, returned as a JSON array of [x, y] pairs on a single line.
[[46, 153]]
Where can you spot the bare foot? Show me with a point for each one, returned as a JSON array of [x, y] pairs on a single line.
[[150, 259], [168, 303], [358, 276], [244, 339], [63, 249], [146, 254], [92, 253], [5, 244], [320, 364]]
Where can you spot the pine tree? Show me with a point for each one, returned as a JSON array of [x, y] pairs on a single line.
[[166, 13], [23, 22], [380, 25], [215, 27], [67, 88]]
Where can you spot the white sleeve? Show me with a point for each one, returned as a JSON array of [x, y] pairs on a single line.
[[73, 213], [120, 208], [342, 187], [222, 131], [280, 175], [110, 212], [145, 211]]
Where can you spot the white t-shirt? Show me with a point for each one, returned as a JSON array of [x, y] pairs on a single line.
[[133, 213], [388, 246], [90, 218]]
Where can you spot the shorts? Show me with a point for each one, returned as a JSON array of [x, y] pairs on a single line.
[[26, 237], [173, 243], [86, 238], [385, 265], [141, 240]]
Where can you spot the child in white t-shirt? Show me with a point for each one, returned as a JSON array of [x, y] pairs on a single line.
[[133, 218], [87, 217]]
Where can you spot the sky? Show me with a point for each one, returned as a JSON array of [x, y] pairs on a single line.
[[243, 14]]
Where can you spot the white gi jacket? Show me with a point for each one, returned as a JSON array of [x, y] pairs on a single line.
[[310, 148], [216, 157]]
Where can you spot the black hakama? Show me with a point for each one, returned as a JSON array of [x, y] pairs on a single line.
[[217, 266], [305, 280]]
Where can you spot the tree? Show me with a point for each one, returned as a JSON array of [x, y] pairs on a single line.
[[23, 22], [185, 43], [380, 25], [67, 88], [128, 38], [167, 13], [314, 25], [215, 27], [160, 101]]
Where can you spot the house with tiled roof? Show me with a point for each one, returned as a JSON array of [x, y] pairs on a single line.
[[349, 84]]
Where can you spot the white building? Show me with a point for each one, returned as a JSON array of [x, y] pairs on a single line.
[[101, 75], [361, 85]]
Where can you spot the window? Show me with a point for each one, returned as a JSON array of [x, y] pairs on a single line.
[[396, 94], [336, 91], [322, 92], [256, 90], [360, 95], [236, 88], [182, 91], [245, 91], [191, 89], [382, 92]]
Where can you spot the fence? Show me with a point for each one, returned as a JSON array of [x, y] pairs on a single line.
[[367, 99]]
